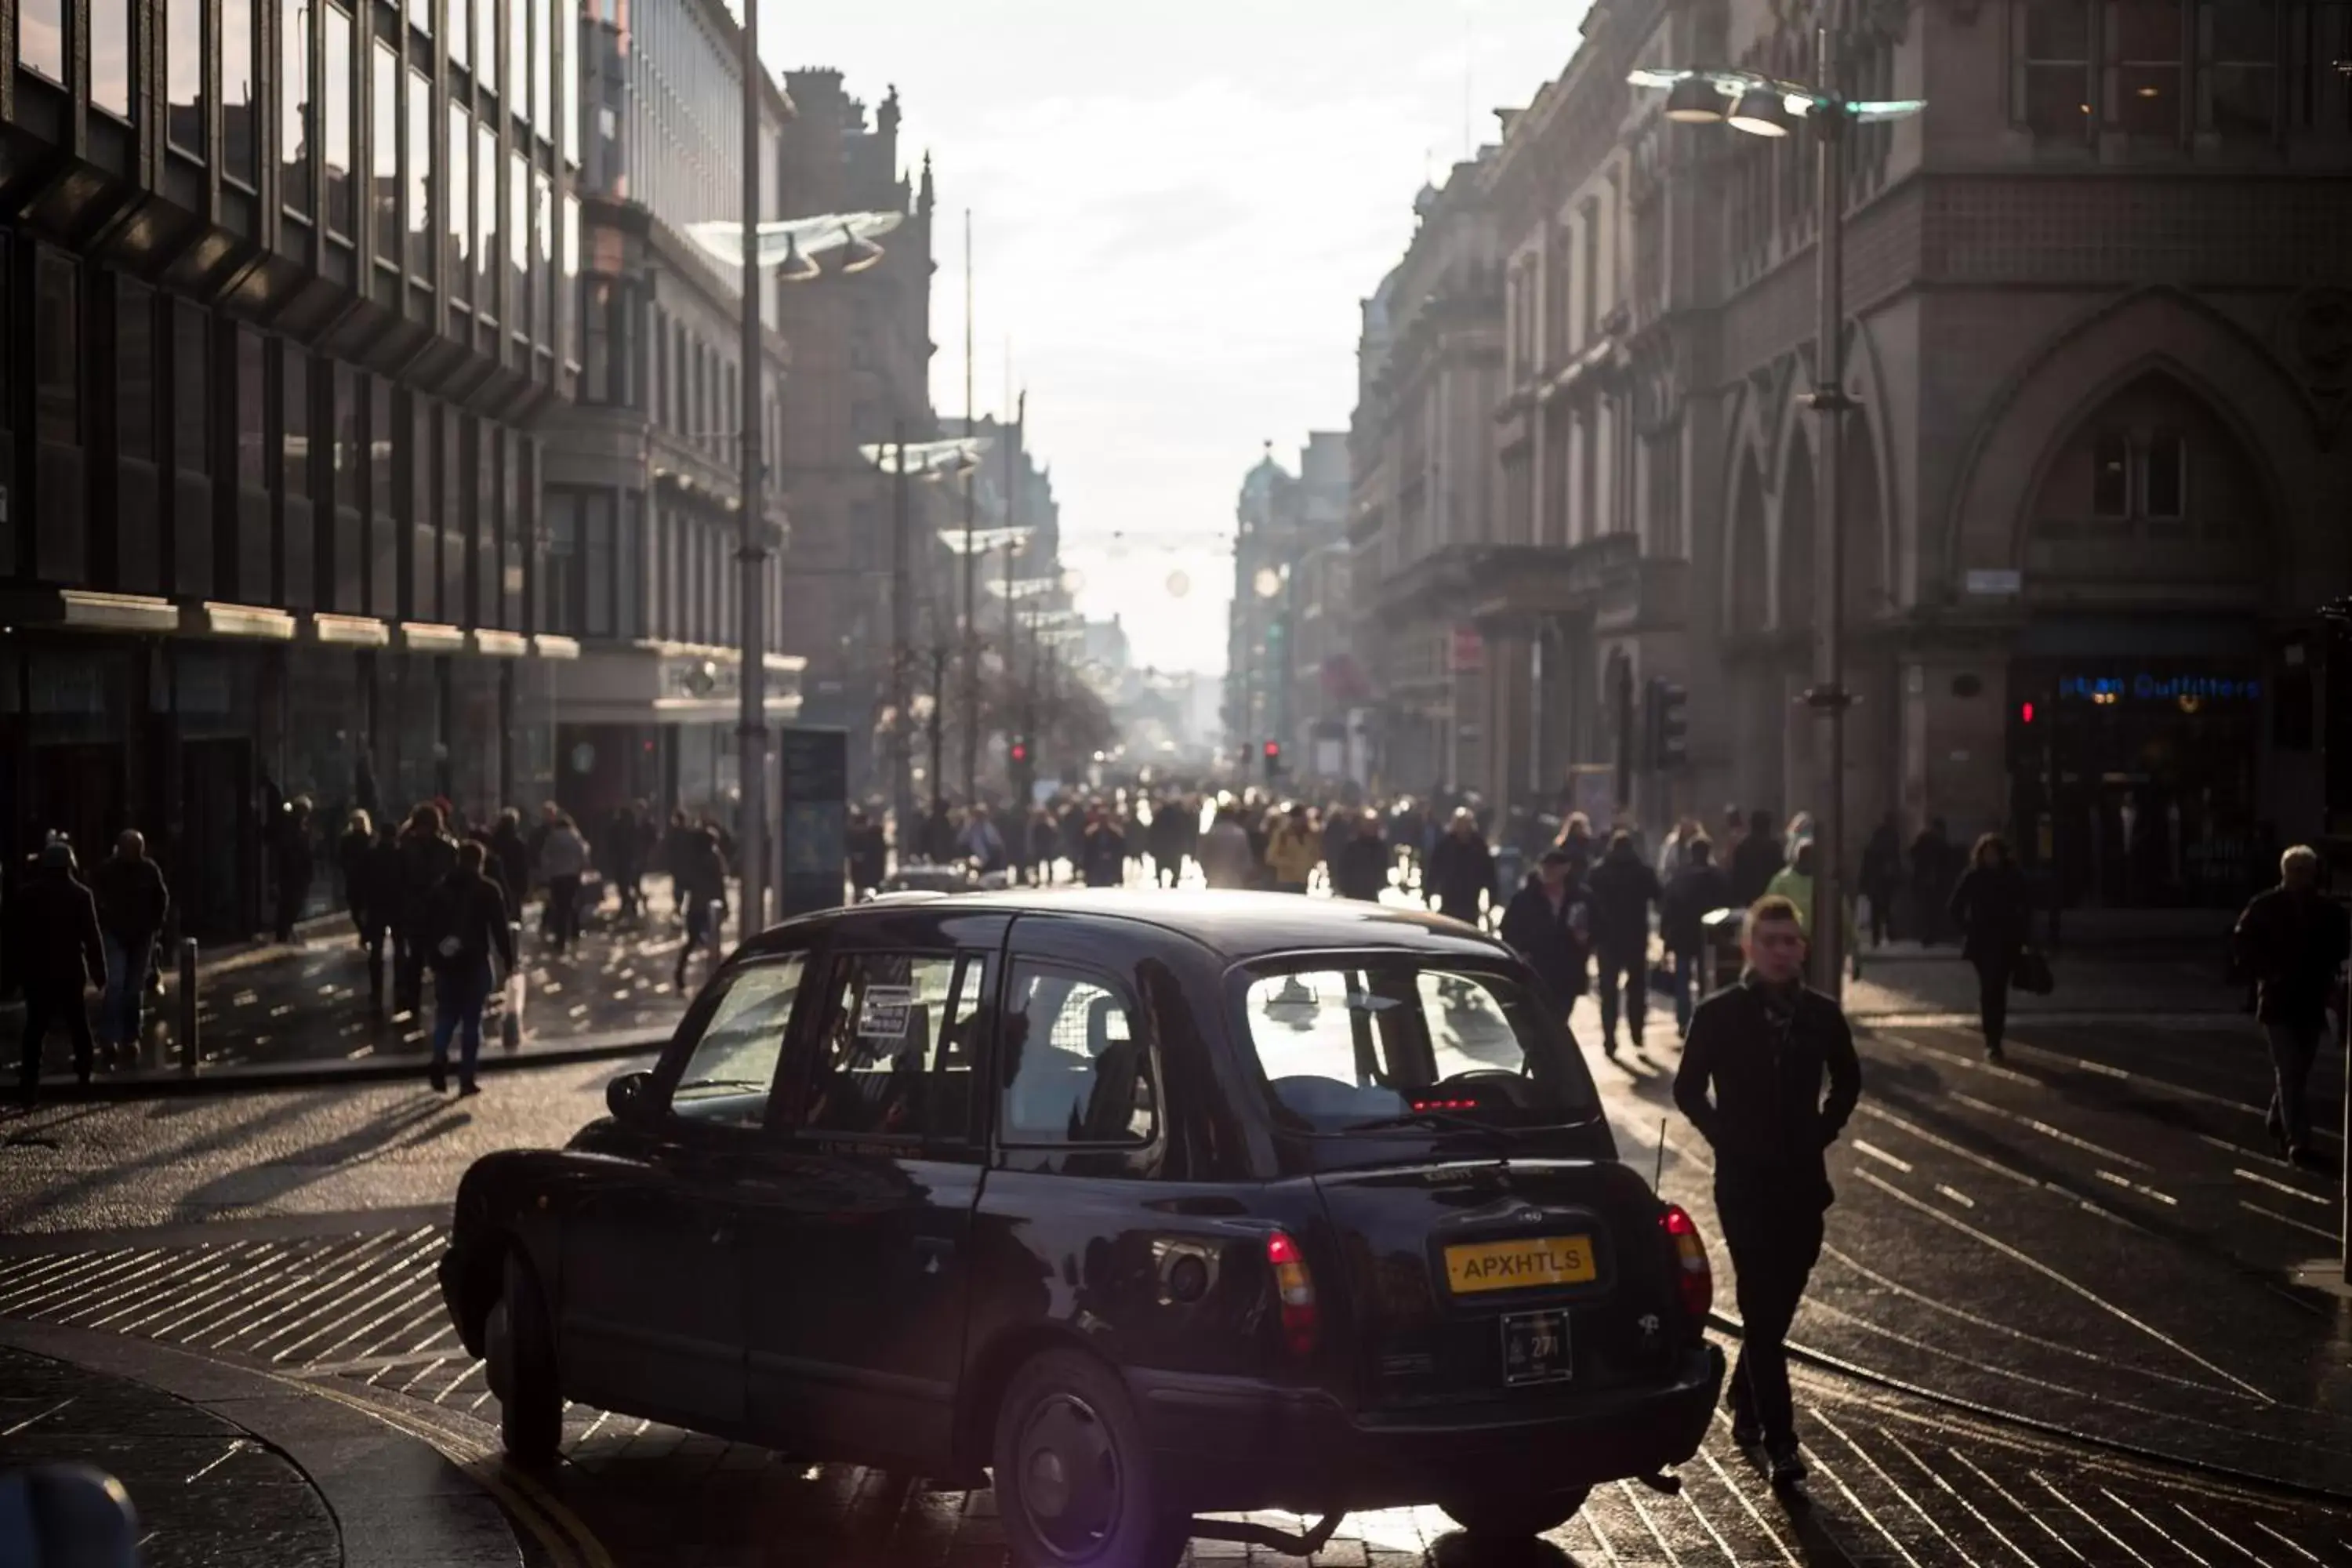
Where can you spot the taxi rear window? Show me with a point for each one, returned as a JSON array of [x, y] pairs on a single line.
[[1351, 1045]]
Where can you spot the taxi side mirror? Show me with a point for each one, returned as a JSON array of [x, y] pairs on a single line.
[[627, 1096]]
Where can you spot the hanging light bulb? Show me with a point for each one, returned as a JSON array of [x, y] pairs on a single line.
[[858, 253], [797, 267], [1695, 101], [1759, 112]]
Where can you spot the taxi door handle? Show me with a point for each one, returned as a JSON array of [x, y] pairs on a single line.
[[933, 1253], [722, 1234]]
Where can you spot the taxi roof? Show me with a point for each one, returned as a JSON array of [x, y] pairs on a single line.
[[1237, 924]]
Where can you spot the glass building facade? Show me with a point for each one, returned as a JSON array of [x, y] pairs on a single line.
[[269, 488]]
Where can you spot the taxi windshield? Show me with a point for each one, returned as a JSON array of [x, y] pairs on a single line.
[[1352, 1045]]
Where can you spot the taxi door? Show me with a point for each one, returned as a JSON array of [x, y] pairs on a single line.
[[857, 1213]]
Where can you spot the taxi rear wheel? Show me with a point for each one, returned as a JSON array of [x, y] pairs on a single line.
[[520, 1353], [1074, 1482], [1513, 1518]]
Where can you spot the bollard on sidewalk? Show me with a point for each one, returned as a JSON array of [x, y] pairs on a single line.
[[188, 1030], [510, 1025]]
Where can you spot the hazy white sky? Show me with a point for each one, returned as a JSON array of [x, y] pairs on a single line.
[[1177, 211]]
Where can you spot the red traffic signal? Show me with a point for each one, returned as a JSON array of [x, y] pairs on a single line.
[[2025, 713], [1273, 748], [1020, 751]]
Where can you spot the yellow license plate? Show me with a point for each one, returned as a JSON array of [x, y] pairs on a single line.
[[1519, 1265]]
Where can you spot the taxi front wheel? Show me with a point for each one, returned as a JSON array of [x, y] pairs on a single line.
[[1074, 1482], [1513, 1518], [521, 1351]]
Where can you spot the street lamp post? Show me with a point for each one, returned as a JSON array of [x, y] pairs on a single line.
[[1766, 106], [902, 787], [753, 550]]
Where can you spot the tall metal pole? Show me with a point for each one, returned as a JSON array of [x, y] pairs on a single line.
[[971, 561], [1829, 697], [1012, 549], [902, 787], [753, 554]]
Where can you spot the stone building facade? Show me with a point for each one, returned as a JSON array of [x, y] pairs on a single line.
[[2095, 314]]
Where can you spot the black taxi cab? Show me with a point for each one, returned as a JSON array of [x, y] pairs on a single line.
[[1139, 1205]]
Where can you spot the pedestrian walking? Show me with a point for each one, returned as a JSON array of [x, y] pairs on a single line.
[[1696, 892], [1992, 907], [510, 860], [623, 858], [371, 869], [1361, 869], [980, 842], [1624, 888], [562, 862], [1755, 861], [1751, 1081], [1045, 844], [426, 856], [869, 854], [1795, 882], [1102, 858], [56, 951], [132, 903], [1226, 861], [1931, 879], [1461, 874], [701, 889], [2291, 940], [1548, 923], [1882, 873], [1291, 851], [1166, 836], [467, 923], [295, 865]]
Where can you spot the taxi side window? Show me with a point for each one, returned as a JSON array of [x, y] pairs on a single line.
[[1074, 1068], [731, 1070], [900, 1040]]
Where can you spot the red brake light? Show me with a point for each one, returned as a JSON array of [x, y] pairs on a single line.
[[1294, 1288], [1693, 1275], [1445, 1105]]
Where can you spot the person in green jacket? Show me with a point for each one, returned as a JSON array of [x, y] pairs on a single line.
[[1794, 882]]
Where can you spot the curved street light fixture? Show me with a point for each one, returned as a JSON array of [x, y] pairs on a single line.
[[1769, 107], [858, 253]]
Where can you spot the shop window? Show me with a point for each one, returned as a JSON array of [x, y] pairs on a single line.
[[2237, 67], [2111, 476], [57, 349], [420, 173], [239, 98], [2051, 77], [192, 387], [110, 56], [2144, 55], [252, 428], [294, 107], [294, 418], [519, 57], [384, 152], [458, 213], [542, 60], [597, 522], [558, 580], [2164, 486], [336, 132], [486, 216], [134, 369], [41, 37]]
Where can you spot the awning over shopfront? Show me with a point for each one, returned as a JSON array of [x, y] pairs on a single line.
[[669, 683]]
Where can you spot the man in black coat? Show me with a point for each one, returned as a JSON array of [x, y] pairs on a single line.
[[1755, 861], [1697, 891], [424, 856], [2291, 940], [1624, 889], [465, 922], [1548, 923], [1751, 1081], [1360, 869], [132, 903], [1461, 869], [55, 949]]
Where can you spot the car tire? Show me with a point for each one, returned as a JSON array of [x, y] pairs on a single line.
[[520, 1350], [1513, 1518], [1065, 1417]]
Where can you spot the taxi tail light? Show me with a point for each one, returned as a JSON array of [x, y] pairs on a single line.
[[1693, 1275], [1294, 1289]]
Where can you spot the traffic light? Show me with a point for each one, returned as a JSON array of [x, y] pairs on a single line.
[[1672, 734], [1019, 751], [1272, 758]]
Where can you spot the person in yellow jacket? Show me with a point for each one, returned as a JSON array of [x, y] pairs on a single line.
[[1794, 882], [1293, 852]]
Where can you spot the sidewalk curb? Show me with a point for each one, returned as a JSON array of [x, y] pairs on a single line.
[[396, 1500], [1820, 1361], [165, 1085]]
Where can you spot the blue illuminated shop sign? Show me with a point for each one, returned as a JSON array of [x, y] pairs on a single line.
[[2149, 688]]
